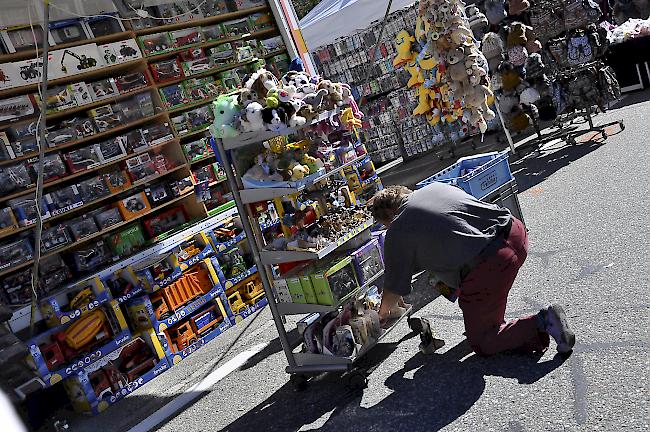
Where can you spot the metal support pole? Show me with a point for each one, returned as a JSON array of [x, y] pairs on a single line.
[[39, 171], [248, 229], [503, 125]]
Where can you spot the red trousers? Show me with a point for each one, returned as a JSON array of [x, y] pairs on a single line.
[[483, 297]]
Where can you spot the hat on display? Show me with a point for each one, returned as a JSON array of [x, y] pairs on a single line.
[[518, 6], [495, 11], [529, 96], [478, 22], [534, 66], [492, 45], [517, 55]]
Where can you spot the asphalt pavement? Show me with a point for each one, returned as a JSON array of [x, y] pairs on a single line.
[[586, 207]]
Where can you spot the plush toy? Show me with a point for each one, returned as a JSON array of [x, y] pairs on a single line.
[[417, 77], [347, 117], [403, 44], [423, 101], [492, 48], [516, 35], [334, 97], [495, 11], [517, 7], [247, 96], [251, 119], [293, 119], [314, 164], [275, 119], [456, 68], [225, 111], [307, 111], [261, 82], [298, 171], [315, 100]]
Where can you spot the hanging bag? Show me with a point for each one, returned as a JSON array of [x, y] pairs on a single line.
[[579, 51]]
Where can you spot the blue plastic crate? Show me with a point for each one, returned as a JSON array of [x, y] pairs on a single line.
[[477, 175]]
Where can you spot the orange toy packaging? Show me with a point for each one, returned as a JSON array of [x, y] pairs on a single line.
[[133, 206]]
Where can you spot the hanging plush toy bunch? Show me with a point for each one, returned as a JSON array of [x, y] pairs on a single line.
[[448, 71], [267, 103]]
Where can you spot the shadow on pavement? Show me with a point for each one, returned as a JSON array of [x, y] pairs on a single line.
[[443, 387], [532, 170]]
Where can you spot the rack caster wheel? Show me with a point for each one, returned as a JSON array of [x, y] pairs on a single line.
[[299, 382], [356, 381], [604, 135], [622, 125], [428, 344]]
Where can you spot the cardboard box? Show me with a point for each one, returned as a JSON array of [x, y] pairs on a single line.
[[134, 206], [52, 308], [333, 284]]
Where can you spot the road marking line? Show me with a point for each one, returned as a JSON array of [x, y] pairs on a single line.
[[196, 390]]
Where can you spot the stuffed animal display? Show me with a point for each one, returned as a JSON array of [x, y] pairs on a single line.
[[267, 103], [448, 71]]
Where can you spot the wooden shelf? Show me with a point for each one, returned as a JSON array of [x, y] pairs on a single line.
[[194, 133], [98, 135], [83, 108], [196, 104], [203, 159], [95, 235], [210, 44], [112, 70], [30, 54], [203, 21], [104, 198], [16, 231]]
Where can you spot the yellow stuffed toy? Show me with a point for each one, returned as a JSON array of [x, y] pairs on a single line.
[[403, 43], [424, 105], [417, 76], [348, 118]]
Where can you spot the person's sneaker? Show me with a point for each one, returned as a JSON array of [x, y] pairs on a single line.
[[555, 324]]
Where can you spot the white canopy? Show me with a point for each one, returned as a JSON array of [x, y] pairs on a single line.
[[332, 19]]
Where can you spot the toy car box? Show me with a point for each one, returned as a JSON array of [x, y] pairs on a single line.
[[13, 178], [108, 380], [63, 200], [62, 351], [7, 220], [82, 226], [165, 222], [155, 43], [70, 306], [82, 159], [15, 253], [127, 241], [334, 283], [106, 217], [368, 261], [91, 256], [93, 189], [55, 274], [55, 237], [157, 134], [122, 285], [118, 181], [25, 210]]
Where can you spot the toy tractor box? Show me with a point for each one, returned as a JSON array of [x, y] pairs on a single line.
[[226, 236], [368, 261], [62, 351], [161, 309], [231, 269], [245, 298], [106, 381], [195, 330], [335, 281], [71, 305], [192, 250], [123, 285]]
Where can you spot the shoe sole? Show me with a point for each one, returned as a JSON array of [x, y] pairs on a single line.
[[568, 337]]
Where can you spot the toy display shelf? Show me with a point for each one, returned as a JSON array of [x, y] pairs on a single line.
[[241, 316], [175, 358], [53, 377], [99, 405], [58, 181], [305, 308], [252, 195], [20, 318], [178, 272], [246, 36], [30, 54], [94, 137], [195, 104], [95, 235], [248, 138], [310, 362], [279, 257], [211, 71], [186, 311], [71, 111], [222, 247], [222, 208], [203, 21], [229, 283], [95, 74]]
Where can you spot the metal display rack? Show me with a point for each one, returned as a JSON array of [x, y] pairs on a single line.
[[300, 364]]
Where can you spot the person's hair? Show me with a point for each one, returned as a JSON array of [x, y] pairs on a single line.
[[385, 203]]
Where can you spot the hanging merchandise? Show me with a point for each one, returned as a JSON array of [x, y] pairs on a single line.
[[454, 92]]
